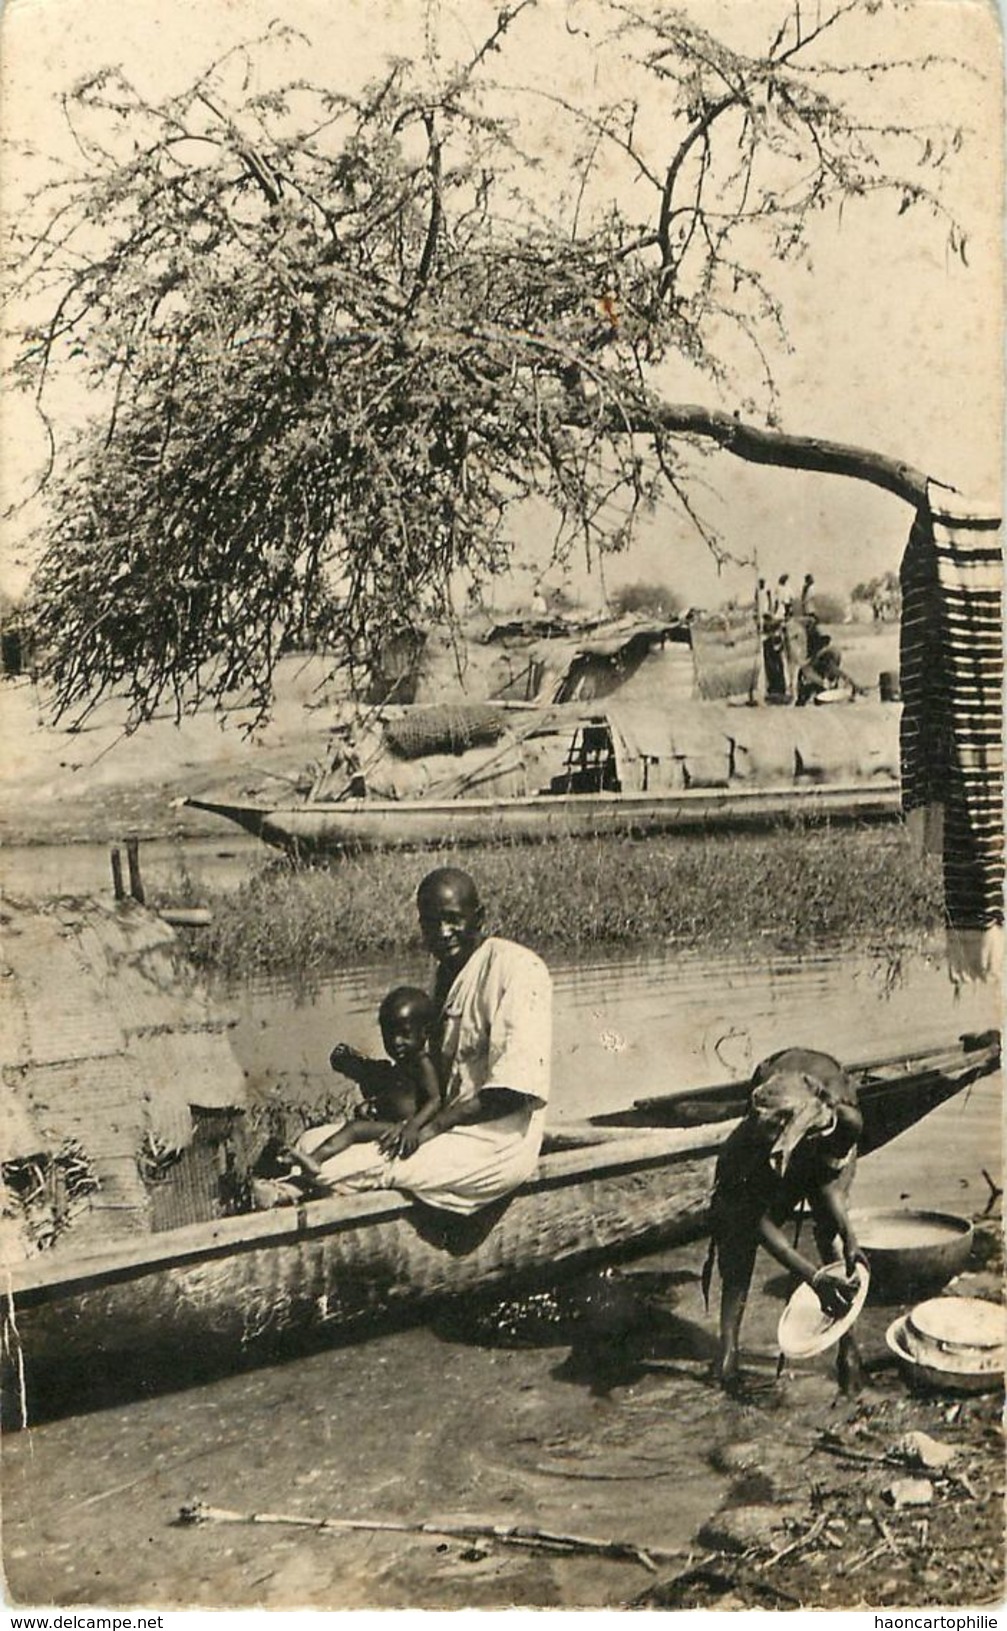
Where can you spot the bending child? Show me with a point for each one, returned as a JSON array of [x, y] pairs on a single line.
[[402, 1093], [797, 1144]]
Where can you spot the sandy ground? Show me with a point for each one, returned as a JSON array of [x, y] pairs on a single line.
[[591, 1415], [59, 784]]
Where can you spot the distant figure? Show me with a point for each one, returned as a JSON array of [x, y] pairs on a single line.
[[539, 604], [774, 660], [783, 600], [798, 1143], [822, 677], [808, 596]]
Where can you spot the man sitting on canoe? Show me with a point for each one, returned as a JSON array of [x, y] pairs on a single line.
[[493, 1041], [797, 1144]]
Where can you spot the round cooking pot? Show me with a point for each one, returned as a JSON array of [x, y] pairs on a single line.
[[911, 1252]]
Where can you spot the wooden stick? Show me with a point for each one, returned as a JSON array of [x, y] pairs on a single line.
[[865, 1558], [858, 1455], [884, 1531], [795, 1545], [133, 864], [525, 1535]]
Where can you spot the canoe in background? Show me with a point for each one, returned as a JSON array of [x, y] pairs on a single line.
[[893, 1094], [320, 828]]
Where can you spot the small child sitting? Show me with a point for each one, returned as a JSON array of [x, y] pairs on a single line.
[[401, 1092]]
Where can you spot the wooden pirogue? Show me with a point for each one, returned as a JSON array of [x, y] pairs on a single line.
[[322, 828], [599, 1195]]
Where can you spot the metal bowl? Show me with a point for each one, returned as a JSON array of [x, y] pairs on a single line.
[[912, 1253], [937, 1373]]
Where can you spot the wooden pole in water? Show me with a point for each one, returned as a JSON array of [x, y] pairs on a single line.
[[118, 886], [133, 862]]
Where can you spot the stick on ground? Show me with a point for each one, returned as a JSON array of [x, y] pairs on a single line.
[[525, 1535]]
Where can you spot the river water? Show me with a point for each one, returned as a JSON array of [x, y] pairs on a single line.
[[632, 1027], [626, 1027]]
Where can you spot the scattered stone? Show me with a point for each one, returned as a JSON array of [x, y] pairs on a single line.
[[746, 1455], [739, 1528], [985, 1283], [754, 1489], [909, 1492], [920, 1450]]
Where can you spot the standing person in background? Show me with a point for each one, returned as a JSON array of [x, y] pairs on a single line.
[[783, 600], [760, 609], [784, 612], [773, 650], [808, 596]]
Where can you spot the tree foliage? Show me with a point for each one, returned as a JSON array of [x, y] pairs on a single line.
[[331, 336]]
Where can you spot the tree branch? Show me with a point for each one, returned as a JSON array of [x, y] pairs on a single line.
[[773, 447]]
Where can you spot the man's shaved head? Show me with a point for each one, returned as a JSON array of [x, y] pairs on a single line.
[[451, 916], [449, 879]]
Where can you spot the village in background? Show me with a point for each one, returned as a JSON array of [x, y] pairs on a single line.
[[447, 712]]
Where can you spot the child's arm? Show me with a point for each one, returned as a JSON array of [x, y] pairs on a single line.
[[348, 1062], [405, 1139], [833, 1290]]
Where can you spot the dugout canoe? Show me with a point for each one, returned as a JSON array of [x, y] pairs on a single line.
[[893, 1093], [600, 1194], [320, 828]]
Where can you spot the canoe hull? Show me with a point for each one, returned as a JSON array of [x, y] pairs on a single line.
[[336, 1264], [319, 829], [340, 1263]]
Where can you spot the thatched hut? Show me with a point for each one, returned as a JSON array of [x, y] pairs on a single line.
[[121, 1101]]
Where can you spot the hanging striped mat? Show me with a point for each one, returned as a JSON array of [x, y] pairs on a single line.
[[952, 675]]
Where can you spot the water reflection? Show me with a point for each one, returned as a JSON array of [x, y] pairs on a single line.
[[626, 1027]]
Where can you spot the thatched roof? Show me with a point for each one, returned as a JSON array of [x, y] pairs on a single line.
[[109, 1051]]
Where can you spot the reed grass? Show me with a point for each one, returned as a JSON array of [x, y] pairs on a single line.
[[793, 887]]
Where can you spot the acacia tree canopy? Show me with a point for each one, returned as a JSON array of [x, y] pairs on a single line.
[[330, 337]]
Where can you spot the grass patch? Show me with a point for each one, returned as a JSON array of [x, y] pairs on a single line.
[[795, 886]]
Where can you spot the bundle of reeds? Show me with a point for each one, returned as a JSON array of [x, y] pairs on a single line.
[[447, 727]]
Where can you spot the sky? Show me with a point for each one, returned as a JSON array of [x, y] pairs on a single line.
[[895, 344]]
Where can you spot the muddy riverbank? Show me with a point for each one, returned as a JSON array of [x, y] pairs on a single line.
[[588, 1412], [604, 1425]]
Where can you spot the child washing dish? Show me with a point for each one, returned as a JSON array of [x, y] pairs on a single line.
[[796, 1145]]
